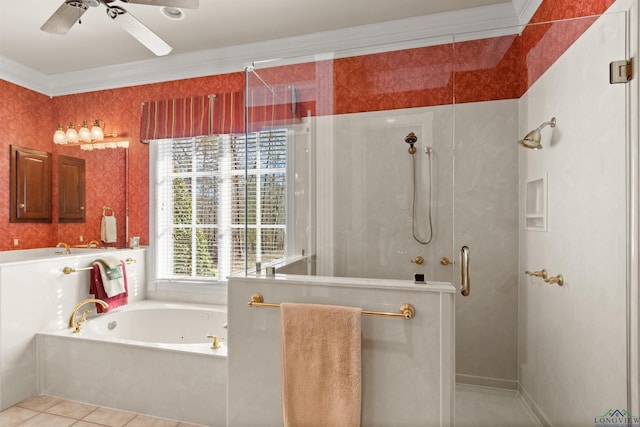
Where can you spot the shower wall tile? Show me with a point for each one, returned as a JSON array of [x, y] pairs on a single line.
[[373, 213]]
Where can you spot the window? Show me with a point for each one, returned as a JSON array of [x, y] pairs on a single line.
[[201, 205]]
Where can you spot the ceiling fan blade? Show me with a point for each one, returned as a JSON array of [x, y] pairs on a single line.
[[65, 17], [185, 4], [144, 35]]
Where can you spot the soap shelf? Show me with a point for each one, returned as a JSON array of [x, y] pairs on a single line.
[[536, 204]]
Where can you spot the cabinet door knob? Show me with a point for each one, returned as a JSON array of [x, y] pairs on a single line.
[[21, 205], [81, 208]]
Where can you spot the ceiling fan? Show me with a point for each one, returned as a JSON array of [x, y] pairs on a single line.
[[71, 11]]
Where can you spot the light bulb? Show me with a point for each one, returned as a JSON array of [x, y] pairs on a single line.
[[96, 132], [59, 137], [72, 134], [84, 134]]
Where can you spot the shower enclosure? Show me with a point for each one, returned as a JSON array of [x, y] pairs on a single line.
[[469, 99]]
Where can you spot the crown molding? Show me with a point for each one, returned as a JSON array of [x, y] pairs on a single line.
[[524, 9], [480, 22], [20, 75]]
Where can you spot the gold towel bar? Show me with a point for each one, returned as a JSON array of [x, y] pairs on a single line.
[[407, 310], [69, 270]]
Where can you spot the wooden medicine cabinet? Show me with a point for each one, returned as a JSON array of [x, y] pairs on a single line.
[[71, 189], [30, 185]]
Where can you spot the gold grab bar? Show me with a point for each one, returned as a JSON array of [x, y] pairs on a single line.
[[465, 283], [69, 270], [407, 310]]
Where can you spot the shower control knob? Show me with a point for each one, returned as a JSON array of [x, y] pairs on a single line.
[[418, 260], [446, 261]]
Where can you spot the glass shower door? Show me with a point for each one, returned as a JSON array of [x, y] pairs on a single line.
[[559, 211]]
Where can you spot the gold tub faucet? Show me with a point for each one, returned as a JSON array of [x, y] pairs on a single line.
[[77, 326], [65, 246]]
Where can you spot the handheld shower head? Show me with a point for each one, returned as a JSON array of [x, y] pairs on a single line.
[[533, 139], [411, 139]]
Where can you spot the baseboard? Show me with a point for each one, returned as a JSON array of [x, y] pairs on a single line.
[[533, 407], [487, 382]]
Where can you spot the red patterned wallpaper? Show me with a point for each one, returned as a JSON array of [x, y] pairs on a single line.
[[25, 118], [489, 69], [105, 169]]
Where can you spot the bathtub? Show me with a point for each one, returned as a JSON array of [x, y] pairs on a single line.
[[149, 357], [29, 255], [36, 295]]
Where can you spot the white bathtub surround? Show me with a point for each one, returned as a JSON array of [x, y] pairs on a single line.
[[572, 339], [407, 365], [35, 295], [156, 359]]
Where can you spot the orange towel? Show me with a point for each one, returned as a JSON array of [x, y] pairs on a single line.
[[321, 365]]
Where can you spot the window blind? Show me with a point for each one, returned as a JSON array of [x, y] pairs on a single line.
[[202, 204]]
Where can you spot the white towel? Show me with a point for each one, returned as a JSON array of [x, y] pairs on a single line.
[[108, 230], [112, 275]]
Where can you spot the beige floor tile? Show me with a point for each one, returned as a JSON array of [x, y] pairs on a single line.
[[86, 424], [109, 417], [189, 425], [48, 420], [146, 421], [71, 409], [13, 416], [39, 403]]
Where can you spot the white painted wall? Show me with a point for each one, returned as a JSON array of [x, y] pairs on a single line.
[[572, 343]]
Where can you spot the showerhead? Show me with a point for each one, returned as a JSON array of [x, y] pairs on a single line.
[[533, 139], [411, 139]]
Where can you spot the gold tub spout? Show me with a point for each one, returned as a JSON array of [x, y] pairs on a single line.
[[65, 246], [72, 320]]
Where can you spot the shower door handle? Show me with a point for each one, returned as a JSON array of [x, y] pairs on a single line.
[[465, 283]]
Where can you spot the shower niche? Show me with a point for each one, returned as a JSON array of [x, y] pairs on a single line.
[[536, 204]]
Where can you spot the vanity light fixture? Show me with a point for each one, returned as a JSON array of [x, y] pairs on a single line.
[[84, 135]]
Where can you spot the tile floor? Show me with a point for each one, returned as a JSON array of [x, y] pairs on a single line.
[[47, 411], [475, 407]]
